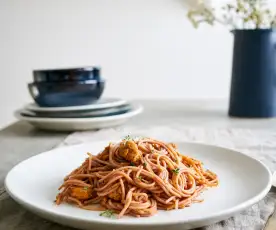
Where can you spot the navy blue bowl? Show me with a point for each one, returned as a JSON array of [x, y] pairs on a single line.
[[61, 94], [71, 74]]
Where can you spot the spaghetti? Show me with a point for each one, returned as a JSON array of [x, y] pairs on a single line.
[[137, 177]]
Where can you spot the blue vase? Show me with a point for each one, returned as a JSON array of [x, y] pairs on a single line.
[[253, 85]]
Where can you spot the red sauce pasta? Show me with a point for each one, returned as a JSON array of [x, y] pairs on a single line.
[[137, 178]]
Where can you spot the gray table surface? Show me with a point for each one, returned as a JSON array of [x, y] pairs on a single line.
[[20, 140]]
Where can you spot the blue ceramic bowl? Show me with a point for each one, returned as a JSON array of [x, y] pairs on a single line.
[[61, 94], [71, 74]]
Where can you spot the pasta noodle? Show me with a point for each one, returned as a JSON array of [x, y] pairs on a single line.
[[137, 177]]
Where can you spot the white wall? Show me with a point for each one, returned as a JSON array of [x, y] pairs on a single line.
[[147, 48]]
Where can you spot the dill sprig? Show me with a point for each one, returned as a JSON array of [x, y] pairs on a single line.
[[132, 138], [108, 213], [127, 138], [176, 171]]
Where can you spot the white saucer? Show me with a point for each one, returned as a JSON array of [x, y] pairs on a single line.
[[100, 104], [77, 124], [78, 113]]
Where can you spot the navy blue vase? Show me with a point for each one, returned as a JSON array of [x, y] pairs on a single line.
[[253, 85]]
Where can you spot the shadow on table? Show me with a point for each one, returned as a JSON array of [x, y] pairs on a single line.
[[17, 218], [24, 129]]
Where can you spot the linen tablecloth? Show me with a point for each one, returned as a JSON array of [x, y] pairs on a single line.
[[260, 144]]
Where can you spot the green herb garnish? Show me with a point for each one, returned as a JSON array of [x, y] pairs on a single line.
[[139, 177], [85, 188], [132, 138], [108, 213], [145, 164], [132, 164], [128, 138], [176, 171]]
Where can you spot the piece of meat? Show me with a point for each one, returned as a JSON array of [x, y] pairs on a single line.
[[81, 193], [116, 195], [104, 154], [129, 151]]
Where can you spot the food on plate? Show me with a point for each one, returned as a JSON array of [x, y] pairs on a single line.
[[137, 177]]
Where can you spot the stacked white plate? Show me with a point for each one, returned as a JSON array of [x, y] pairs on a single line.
[[106, 112]]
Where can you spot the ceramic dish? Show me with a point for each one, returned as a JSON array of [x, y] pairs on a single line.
[[103, 103], [243, 182], [64, 94], [67, 74], [76, 124], [78, 114]]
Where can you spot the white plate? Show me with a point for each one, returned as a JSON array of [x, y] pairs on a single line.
[[243, 181], [76, 124], [102, 103], [78, 114]]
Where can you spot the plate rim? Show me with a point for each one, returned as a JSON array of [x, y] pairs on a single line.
[[118, 102], [216, 215], [93, 113], [135, 110]]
